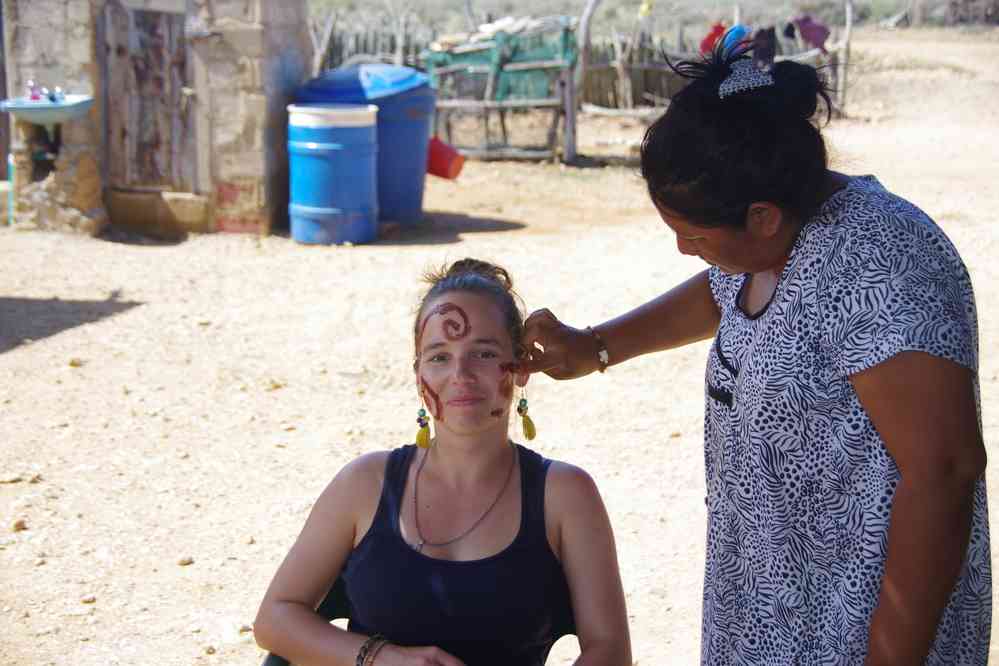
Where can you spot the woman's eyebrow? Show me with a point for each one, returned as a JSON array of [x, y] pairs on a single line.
[[478, 341]]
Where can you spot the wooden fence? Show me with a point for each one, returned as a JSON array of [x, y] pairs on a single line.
[[653, 83], [380, 45]]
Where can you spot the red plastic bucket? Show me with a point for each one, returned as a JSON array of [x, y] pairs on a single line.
[[443, 160]]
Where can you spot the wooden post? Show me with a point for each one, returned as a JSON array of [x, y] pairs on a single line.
[[583, 41], [569, 99], [844, 59]]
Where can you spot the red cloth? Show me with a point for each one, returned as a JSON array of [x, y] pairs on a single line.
[[709, 41]]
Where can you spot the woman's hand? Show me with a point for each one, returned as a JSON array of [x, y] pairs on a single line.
[[396, 655], [556, 349]]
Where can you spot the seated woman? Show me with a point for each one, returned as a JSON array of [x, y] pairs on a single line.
[[468, 549]]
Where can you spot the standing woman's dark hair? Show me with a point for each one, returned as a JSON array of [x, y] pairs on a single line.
[[715, 152]]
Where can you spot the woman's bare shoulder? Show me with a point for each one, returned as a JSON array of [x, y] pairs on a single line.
[[360, 478], [569, 485]]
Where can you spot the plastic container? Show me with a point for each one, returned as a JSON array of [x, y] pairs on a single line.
[[443, 160], [405, 104], [332, 151]]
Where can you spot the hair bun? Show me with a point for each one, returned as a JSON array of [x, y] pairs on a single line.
[[798, 87], [481, 268]]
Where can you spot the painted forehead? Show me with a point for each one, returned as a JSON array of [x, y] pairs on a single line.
[[455, 317]]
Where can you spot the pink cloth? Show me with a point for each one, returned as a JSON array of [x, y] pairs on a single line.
[[813, 33]]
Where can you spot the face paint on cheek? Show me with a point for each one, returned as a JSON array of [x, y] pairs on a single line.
[[506, 386], [496, 413], [432, 399]]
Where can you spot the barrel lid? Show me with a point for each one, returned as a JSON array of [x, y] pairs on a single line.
[[332, 115], [361, 83]]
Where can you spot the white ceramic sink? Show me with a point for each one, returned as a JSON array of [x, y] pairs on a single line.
[[44, 112]]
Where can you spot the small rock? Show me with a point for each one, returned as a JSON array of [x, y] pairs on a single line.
[[674, 435], [245, 628], [185, 561], [250, 540], [35, 478], [89, 599], [6, 609], [11, 478], [209, 649], [19, 525], [76, 362], [40, 562]]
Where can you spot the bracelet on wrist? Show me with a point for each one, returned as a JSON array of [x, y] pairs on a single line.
[[375, 649], [603, 358], [368, 647]]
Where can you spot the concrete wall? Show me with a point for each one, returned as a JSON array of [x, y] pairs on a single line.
[[256, 54], [52, 43]]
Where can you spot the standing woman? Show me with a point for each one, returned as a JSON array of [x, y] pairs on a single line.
[[847, 513], [468, 549]]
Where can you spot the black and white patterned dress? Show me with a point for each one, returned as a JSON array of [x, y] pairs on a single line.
[[799, 484]]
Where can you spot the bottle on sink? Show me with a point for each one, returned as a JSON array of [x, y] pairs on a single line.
[[31, 91]]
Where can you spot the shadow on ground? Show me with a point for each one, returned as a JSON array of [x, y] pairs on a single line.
[[120, 234], [28, 319], [436, 228]]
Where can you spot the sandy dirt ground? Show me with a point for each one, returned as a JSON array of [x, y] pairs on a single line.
[[169, 412]]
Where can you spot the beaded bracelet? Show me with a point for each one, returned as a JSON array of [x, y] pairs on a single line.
[[603, 358], [375, 649], [366, 648]]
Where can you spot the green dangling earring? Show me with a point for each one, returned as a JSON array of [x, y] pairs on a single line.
[[530, 432], [423, 434]]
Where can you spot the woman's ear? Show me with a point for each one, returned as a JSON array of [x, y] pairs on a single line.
[[763, 219], [520, 379]]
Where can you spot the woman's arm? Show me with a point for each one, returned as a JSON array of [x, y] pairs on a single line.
[[924, 410], [687, 313], [287, 623], [581, 536]]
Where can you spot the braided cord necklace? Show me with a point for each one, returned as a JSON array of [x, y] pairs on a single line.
[[416, 504]]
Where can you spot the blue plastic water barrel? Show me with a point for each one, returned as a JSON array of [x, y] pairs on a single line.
[[406, 104], [332, 151]]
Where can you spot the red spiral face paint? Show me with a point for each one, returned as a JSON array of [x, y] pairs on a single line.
[[453, 330]]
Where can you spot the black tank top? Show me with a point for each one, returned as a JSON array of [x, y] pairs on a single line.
[[504, 610]]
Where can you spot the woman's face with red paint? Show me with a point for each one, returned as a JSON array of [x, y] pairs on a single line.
[[464, 350]]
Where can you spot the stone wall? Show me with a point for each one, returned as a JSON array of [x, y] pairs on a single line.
[[52, 43], [255, 52]]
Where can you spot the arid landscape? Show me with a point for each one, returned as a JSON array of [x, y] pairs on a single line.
[[169, 412]]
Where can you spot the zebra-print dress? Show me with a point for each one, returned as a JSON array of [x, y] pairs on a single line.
[[799, 484]]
